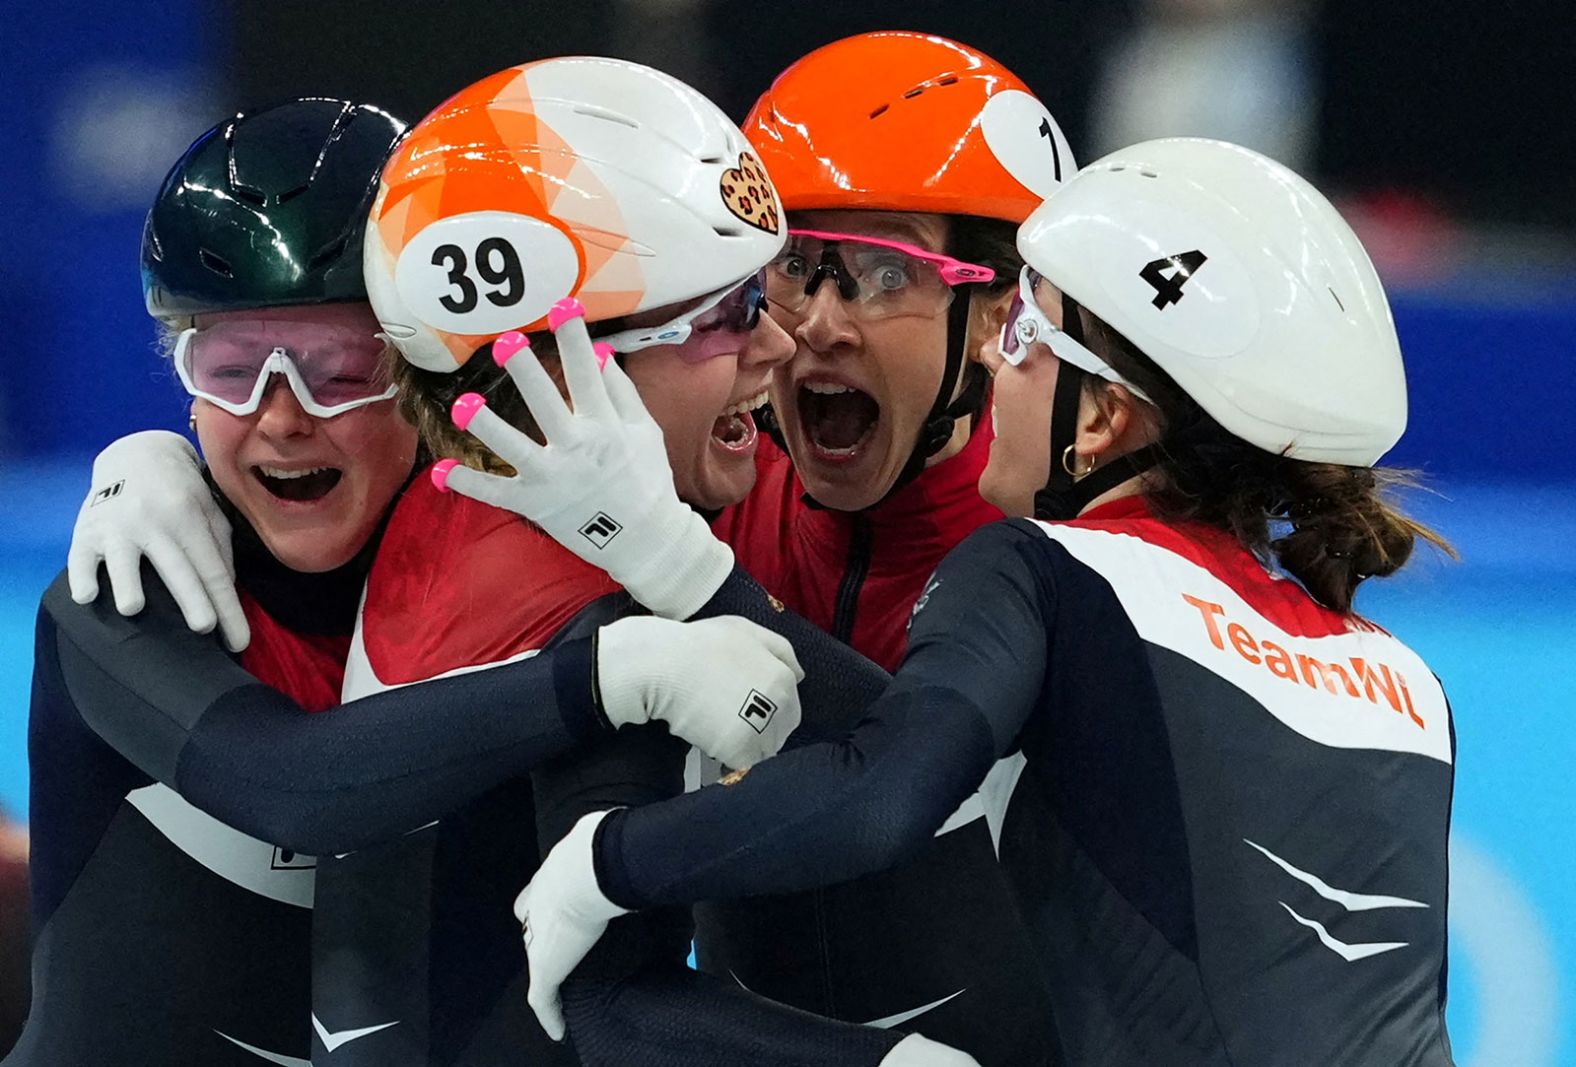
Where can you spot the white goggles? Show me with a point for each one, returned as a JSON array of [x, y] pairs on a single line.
[[230, 364], [1026, 324]]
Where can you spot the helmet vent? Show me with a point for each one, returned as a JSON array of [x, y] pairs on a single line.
[[878, 112], [330, 252], [949, 79], [606, 115], [218, 264], [727, 231], [155, 246], [711, 159], [1337, 297], [291, 194], [1149, 174], [250, 195]]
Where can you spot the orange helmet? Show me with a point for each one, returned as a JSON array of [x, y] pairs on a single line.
[[907, 122]]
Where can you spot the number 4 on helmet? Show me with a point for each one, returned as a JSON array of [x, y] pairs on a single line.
[[1270, 316]]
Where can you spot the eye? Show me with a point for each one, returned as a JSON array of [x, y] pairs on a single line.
[[791, 265], [890, 277], [232, 373]]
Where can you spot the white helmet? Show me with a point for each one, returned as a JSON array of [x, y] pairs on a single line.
[[1241, 282], [593, 178]]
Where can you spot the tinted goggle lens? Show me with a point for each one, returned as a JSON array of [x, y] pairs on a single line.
[[1011, 343], [739, 311], [1026, 323], [337, 369]]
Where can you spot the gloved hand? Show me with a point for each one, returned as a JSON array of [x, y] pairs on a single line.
[[562, 914], [725, 685], [601, 486], [148, 498], [916, 1050]]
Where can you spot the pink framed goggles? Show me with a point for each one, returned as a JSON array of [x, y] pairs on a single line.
[[880, 277], [330, 369], [720, 325]]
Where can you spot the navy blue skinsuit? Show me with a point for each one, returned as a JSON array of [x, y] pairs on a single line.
[[179, 805], [1225, 812]]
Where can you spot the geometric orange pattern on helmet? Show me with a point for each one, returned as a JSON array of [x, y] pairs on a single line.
[[486, 149], [888, 121]]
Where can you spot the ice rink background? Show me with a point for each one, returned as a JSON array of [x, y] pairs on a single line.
[[100, 98]]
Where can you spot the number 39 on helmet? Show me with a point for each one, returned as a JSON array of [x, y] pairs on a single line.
[[1241, 282], [593, 178]]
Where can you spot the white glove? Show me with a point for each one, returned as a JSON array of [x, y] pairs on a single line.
[[725, 685], [601, 486], [918, 1051], [562, 913], [148, 498]]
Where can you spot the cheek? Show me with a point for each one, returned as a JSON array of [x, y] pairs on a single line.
[[378, 448], [909, 356], [1023, 404], [704, 392], [684, 398], [219, 437]]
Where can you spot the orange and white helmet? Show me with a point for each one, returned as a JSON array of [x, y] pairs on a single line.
[[908, 122], [587, 177]]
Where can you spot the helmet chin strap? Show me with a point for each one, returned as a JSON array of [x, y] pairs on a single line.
[[1063, 496], [936, 431]]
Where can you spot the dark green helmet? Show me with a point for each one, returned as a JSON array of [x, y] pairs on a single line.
[[267, 208]]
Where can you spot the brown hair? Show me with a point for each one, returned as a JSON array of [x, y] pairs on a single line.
[[991, 243], [1327, 525], [426, 397]]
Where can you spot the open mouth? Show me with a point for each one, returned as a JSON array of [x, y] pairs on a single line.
[[735, 428], [838, 419], [301, 486]]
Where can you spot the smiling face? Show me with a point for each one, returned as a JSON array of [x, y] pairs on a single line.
[[1109, 421], [703, 407], [1020, 412], [314, 489], [1022, 397], [855, 396]]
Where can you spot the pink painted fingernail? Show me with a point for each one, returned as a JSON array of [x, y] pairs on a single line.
[[506, 346], [466, 407], [604, 352], [440, 473], [566, 309]]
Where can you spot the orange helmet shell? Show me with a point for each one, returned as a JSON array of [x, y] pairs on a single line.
[[908, 122], [578, 176]]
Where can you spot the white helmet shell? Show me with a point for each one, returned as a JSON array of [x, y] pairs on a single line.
[[1242, 283], [594, 178]]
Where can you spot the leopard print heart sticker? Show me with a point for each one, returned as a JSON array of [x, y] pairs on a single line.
[[749, 194]]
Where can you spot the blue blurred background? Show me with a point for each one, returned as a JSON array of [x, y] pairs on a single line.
[[1443, 131]]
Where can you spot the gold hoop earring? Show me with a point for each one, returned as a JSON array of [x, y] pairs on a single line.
[[191, 420], [1070, 463]]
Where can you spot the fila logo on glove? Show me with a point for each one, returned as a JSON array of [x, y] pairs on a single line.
[[758, 711], [108, 492], [600, 529]]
